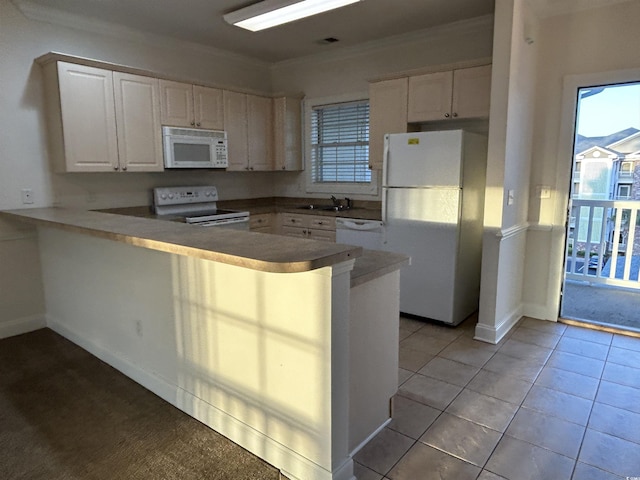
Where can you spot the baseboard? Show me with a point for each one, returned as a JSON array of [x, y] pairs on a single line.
[[22, 325], [293, 465], [493, 334], [370, 437]]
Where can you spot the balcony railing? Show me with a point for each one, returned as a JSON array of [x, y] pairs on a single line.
[[602, 235]]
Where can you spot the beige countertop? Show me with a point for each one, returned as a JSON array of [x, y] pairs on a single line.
[[250, 250]]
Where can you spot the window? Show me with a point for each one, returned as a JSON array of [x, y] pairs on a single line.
[[624, 192], [626, 169], [340, 143]]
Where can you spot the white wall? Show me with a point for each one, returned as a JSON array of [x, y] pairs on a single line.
[[508, 168], [346, 75], [589, 42], [23, 153]]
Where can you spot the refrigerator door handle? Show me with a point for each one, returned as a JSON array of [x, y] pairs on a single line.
[[385, 161], [384, 206]]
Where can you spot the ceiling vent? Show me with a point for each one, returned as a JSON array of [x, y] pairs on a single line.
[[328, 40]]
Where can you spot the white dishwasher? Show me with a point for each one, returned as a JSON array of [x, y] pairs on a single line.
[[362, 233]]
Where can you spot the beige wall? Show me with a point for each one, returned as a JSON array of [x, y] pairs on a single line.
[[569, 45]]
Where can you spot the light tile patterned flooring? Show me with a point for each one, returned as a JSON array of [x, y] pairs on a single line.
[[551, 401]]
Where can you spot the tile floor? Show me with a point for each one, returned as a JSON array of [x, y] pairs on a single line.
[[551, 401]]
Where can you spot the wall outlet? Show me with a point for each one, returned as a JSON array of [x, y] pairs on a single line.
[[27, 196]]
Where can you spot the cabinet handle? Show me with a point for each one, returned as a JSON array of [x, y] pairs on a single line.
[[193, 124], [124, 169], [446, 115], [115, 168], [198, 124], [455, 114], [283, 167]]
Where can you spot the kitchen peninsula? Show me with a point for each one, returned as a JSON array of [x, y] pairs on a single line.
[[286, 346]]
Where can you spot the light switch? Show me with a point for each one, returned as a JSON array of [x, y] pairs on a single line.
[[511, 197]]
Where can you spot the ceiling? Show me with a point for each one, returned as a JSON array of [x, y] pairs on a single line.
[[201, 21]]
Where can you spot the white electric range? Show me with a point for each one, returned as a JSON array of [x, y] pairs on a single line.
[[198, 206]]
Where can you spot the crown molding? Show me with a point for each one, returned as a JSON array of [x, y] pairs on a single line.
[[440, 32], [41, 13]]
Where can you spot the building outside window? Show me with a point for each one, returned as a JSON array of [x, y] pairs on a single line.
[[624, 192]]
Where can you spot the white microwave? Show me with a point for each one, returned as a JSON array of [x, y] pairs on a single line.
[[194, 148]]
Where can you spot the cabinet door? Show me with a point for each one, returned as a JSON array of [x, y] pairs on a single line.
[[235, 121], [208, 110], [88, 118], [176, 102], [472, 92], [294, 232], [430, 96], [387, 114], [138, 122], [260, 132], [287, 133]]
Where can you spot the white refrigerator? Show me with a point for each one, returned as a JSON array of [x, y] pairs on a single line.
[[432, 206]]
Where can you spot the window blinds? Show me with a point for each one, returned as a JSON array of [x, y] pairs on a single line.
[[340, 143]]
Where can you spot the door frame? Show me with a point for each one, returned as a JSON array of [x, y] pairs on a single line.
[[564, 168]]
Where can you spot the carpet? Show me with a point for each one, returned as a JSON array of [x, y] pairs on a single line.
[[64, 414]]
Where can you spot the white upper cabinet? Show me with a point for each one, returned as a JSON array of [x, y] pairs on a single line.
[[81, 118], [235, 120], [260, 132], [387, 114], [472, 92], [138, 123], [287, 134], [461, 93], [102, 121], [430, 96], [186, 105], [208, 109], [248, 120]]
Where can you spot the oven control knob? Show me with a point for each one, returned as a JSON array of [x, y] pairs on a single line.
[[171, 196], [163, 196]]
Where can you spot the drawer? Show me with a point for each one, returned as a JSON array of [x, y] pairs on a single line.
[[294, 231], [322, 223], [289, 219], [261, 221]]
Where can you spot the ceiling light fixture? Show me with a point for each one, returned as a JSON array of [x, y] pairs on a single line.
[[271, 13]]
